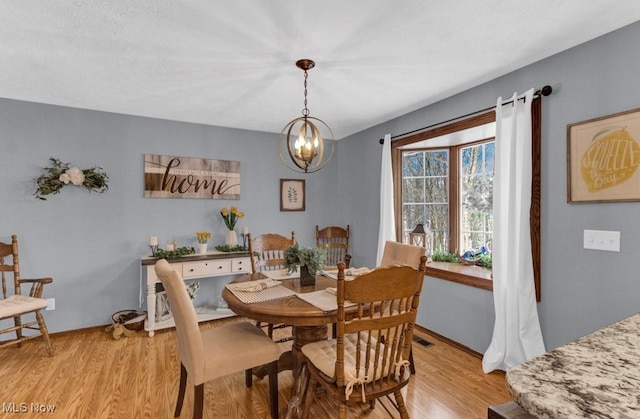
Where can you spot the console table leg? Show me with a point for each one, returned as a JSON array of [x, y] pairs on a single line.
[[151, 309]]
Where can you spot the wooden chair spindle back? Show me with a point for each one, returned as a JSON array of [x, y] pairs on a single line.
[[267, 251], [382, 327], [335, 241]]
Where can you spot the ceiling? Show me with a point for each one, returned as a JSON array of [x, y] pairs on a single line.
[[232, 64]]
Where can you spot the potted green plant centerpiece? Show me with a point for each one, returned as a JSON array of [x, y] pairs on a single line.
[[309, 259]]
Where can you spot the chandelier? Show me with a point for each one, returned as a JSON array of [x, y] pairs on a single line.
[[302, 138]]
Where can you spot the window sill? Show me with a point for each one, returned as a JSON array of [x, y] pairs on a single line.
[[473, 276]]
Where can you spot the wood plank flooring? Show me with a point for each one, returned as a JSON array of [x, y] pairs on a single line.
[[91, 375]]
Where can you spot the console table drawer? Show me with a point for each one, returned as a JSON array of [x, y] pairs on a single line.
[[241, 265], [207, 268]]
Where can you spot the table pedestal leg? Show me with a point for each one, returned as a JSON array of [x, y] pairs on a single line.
[[302, 336], [295, 406], [291, 360]]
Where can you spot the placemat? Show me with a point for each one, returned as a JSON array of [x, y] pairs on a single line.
[[266, 294], [280, 274], [324, 300], [348, 273]]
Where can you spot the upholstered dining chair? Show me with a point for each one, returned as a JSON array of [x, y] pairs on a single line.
[[401, 254], [398, 254], [214, 353], [335, 241], [267, 254], [16, 305], [369, 357]]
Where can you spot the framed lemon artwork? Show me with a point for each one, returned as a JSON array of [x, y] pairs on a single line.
[[603, 155]]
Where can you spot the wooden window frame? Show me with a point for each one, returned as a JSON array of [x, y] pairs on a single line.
[[473, 276]]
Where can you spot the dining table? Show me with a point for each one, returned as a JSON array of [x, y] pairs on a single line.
[[309, 323]]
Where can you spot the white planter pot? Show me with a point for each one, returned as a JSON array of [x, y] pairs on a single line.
[[202, 248]]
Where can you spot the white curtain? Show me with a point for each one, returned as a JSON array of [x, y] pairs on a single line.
[[387, 220], [516, 332]]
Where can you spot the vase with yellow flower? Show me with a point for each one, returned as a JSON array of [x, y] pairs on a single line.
[[203, 237], [230, 217]]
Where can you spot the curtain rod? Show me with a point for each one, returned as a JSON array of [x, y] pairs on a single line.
[[545, 91]]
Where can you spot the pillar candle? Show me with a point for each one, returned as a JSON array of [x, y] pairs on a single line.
[[153, 241], [245, 230]]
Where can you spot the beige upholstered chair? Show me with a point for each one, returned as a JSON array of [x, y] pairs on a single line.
[[398, 254], [214, 353], [335, 241], [267, 254], [369, 357], [15, 305]]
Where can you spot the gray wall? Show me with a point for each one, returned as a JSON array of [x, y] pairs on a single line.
[[582, 290], [91, 244]]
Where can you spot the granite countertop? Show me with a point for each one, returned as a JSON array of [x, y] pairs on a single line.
[[596, 376]]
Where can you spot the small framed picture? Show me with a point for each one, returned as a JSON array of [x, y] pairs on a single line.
[[603, 155], [292, 196]]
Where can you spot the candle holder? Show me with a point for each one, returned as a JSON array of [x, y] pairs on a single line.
[[244, 239], [154, 249]]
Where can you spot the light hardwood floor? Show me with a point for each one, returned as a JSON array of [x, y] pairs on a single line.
[[91, 375]]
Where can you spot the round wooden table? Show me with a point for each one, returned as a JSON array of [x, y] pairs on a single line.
[[310, 324]]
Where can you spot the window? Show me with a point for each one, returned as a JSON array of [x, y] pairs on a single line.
[[425, 194], [443, 178], [476, 167]]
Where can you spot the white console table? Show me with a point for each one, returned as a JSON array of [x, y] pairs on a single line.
[[208, 265]]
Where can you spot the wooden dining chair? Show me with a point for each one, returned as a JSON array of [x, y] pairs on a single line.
[[267, 254], [399, 254], [335, 241], [369, 357], [16, 305], [267, 251], [214, 353]]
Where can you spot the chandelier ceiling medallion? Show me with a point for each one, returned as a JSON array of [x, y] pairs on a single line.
[[302, 138]]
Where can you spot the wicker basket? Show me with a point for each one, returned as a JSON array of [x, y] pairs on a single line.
[[130, 319]]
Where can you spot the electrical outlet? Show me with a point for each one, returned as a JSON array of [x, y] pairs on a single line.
[[51, 304]]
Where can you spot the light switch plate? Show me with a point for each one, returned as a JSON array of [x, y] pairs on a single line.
[[602, 240]]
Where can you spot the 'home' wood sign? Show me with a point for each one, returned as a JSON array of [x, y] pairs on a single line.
[[190, 177]]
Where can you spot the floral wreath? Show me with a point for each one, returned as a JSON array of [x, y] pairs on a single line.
[[61, 174]]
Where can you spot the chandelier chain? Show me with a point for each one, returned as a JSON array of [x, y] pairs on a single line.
[[305, 111]]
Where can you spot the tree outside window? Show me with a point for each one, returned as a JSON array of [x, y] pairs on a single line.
[[476, 190]]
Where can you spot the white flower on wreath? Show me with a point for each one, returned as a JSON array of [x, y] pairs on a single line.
[[64, 178], [76, 176]]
